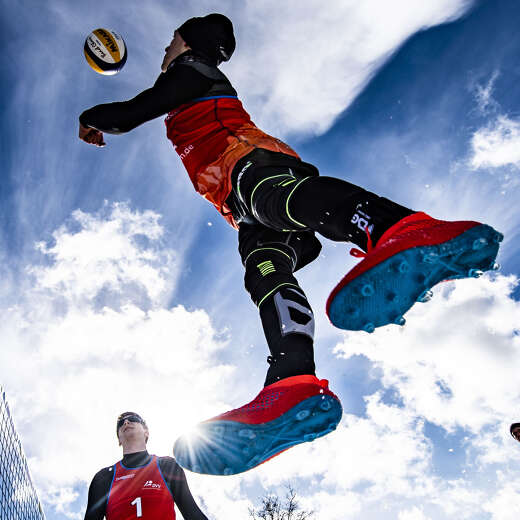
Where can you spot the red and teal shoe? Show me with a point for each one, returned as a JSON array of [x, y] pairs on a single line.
[[291, 411], [408, 260]]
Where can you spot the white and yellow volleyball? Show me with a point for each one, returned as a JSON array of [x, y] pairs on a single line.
[[105, 51]]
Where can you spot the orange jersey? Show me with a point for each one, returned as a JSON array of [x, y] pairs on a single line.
[[211, 135]]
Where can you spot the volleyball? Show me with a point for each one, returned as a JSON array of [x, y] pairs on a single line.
[[105, 51]]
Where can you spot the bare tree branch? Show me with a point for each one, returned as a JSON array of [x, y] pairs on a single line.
[[273, 508]]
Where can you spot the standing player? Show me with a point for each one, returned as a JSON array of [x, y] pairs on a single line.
[[277, 202], [140, 485]]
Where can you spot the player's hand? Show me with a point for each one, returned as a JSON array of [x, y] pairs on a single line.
[[91, 135]]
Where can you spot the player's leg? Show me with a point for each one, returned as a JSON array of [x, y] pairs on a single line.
[[294, 406], [270, 258], [293, 196], [405, 253]]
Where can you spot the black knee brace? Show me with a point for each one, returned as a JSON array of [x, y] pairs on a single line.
[[264, 192], [269, 201], [269, 268]]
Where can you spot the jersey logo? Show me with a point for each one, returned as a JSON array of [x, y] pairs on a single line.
[[151, 484], [187, 150], [124, 477]]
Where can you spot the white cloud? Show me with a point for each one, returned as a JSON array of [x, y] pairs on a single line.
[[75, 357], [60, 499], [105, 256], [497, 144], [298, 65], [300, 69], [484, 94], [454, 364], [412, 514], [505, 505], [455, 360], [72, 365]]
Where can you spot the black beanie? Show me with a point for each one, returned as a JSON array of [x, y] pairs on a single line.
[[211, 35]]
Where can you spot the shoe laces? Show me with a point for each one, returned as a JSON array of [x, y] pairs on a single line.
[[359, 253]]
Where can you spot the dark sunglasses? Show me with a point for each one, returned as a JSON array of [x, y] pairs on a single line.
[[131, 418]]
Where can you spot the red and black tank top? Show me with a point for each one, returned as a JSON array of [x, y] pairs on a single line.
[[210, 135], [139, 493]]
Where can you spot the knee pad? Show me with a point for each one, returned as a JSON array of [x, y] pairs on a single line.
[[268, 200]]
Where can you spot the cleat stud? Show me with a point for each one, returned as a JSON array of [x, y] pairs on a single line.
[[325, 405], [247, 434], [228, 471], [391, 296], [479, 243], [498, 238], [425, 296], [496, 266], [475, 273], [303, 414], [352, 311], [431, 258], [308, 437], [400, 320], [369, 327], [404, 267], [367, 290]]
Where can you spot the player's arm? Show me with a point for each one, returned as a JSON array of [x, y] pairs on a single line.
[[176, 86], [98, 494], [176, 480]]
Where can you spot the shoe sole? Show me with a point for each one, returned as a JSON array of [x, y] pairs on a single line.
[[228, 448], [384, 293]]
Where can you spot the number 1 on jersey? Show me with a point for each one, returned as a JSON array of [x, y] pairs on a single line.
[[137, 504]]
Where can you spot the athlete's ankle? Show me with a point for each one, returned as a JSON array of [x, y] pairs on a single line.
[[288, 365]]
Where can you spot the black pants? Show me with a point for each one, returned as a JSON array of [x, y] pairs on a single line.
[[279, 203]]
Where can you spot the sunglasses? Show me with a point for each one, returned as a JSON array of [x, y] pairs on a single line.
[[131, 418]]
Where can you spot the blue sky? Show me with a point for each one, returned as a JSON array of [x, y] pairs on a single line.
[[122, 289]]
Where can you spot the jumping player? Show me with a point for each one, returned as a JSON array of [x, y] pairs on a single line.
[[277, 202], [140, 485]]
